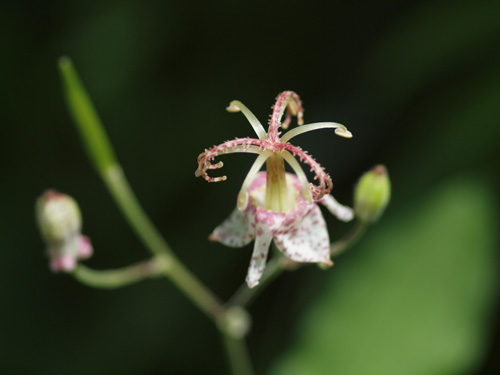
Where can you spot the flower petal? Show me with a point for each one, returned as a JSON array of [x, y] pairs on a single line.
[[305, 239], [259, 255], [242, 201], [338, 210], [236, 230]]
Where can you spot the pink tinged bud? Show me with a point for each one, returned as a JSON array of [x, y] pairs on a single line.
[[58, 216], [63, 263], [59, 221], [85, 248]]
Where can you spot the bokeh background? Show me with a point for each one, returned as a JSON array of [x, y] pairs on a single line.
[[417, 83]]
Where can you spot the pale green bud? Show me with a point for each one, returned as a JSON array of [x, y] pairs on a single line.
[[372, 194], [60, 222], [58, 216]]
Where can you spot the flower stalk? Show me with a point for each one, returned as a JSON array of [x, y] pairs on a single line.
[[103, 157], [117, 278]]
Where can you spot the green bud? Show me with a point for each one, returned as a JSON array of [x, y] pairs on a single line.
[[60, 223], [58, 216], [372, 194]]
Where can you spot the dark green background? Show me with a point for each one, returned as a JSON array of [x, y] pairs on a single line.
[[417, 83]]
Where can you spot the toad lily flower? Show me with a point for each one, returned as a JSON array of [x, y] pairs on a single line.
[[275, 204]]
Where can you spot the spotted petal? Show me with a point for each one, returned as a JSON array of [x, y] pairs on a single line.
[[236, 230], [306, 238], [259, 256], [338, 210]]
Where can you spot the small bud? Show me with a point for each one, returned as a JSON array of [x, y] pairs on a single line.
[[59, 221], [372, 194]]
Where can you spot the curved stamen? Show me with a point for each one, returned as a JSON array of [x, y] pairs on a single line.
[[288, 119], [237, 106], [243, 145], [325, 182], [285, 99], [216, 166], [340, 130], [299, 172], [242, 201]]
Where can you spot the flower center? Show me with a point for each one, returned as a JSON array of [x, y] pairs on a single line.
[[277, 195]]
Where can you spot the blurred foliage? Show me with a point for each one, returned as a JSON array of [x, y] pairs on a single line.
[[418, 84], [419, 299]]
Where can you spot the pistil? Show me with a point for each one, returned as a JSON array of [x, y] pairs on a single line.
[[277, 195]]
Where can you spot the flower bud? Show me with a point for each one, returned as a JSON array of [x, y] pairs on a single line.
[[372, 194], [59, 221]]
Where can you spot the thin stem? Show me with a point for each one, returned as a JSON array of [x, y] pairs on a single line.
[[196, 291], [116, 278], [245, 295], [103, 157], [238, 357], [349, 240], [275, 267], [122, 193]]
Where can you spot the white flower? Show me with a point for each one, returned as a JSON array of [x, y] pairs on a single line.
[[274, 204]]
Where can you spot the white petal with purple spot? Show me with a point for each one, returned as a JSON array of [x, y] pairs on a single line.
[[338, 210], [235, 231], [306, 239], [259, 255]]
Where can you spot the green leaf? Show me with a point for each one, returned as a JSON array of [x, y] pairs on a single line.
[[85, 116], [415, 297]]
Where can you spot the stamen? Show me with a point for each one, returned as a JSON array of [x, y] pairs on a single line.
[[216, 166], [340, 130], [288, 119], [236, 106], [285, 99], [305, 191], [242, 201], [243, 145], [325, 182]]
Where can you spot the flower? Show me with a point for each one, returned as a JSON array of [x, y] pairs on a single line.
[[275, 204], [59, 221]]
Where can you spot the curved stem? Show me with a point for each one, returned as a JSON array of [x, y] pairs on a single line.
[[350, 239], [102, 155], [116, 278]]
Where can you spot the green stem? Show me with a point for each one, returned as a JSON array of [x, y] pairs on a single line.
[[126, 200], [237, 352], [349, 240], [102, 155], [116, 278], [103, 158], [245, 295]]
